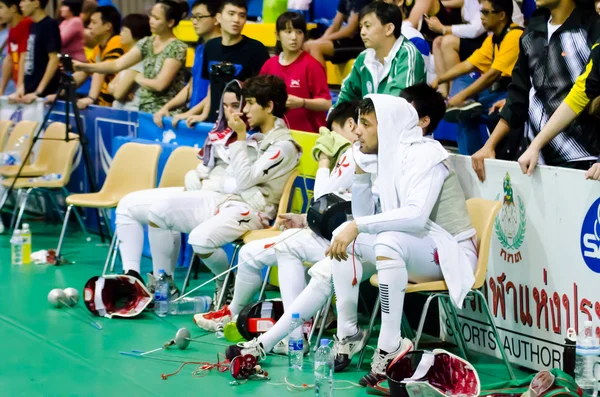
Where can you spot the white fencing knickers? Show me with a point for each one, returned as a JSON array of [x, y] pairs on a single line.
[[209, 224], [289, 251], [132, 214], [411, 258]]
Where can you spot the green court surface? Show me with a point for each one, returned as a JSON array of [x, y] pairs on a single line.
[[47, 352]]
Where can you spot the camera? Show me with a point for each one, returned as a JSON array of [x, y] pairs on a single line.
[[67, 63], [223, 69]]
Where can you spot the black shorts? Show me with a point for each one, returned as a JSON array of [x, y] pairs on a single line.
[[346, 49], [468, 46]]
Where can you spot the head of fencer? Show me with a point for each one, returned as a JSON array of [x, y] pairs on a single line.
[[366, 131], [343, 120]]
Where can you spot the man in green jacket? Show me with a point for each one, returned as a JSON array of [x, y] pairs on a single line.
[[390, 63]]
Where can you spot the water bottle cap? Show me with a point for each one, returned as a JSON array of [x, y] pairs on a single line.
[[161, 271], [26, 226], [295, 315], [324, 342]]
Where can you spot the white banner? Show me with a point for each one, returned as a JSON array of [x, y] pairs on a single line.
[[18, 112], [544, 265]]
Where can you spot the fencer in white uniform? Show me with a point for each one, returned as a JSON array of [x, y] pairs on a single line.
[[424, 231], [133, 209], [297, 244], [250, 190]]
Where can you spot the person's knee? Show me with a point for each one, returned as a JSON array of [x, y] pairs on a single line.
[[450, 43], [390, 247], [289, 240], [157, 215], [248, 255], [124, 210], [202, 243], [437, 45]]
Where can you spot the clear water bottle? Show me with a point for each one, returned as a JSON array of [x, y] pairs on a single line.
[[26, 235], [161, 294], [296, 343], [16, 248], [587, 353], [324, 364], [190, 305]]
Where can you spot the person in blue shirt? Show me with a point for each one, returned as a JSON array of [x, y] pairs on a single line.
[[206, 27]]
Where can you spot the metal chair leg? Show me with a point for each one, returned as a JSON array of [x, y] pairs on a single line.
[[455, 324], [15, 210], [114, 254], [79, 218], [407, 331], [422, 320], [64, 228], [22, 209], [361, 358], [189, 272], [113, 241], [264, 284], [325, 312], [314, 326], [237, 248], [496, 334]]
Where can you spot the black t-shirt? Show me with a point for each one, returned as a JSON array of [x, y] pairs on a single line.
[[349, 7], [247, 57], [44, 38]]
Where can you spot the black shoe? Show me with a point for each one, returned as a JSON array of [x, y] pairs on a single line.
[[347, 348], [467, 111]]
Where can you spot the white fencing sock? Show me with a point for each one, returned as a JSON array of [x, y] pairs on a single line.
[[217, 262], [346, 296], [131, 244], [393, 279], [164, 245], [291, 278], [247, 282], [308, 303]]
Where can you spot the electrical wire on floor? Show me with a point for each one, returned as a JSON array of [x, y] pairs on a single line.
[[305, 386]]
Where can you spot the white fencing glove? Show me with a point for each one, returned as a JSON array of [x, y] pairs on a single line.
[[202, 171], [192, 182]]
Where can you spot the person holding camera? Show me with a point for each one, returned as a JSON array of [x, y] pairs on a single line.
[[495, 59], [41, 59], [163, 56], [232, 56]]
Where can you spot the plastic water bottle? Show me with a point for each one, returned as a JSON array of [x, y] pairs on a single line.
[[296, 343], [46, 178], [324, 364], [161, 294], [586, 354], [16, 248], [190, 305], [26, 235]]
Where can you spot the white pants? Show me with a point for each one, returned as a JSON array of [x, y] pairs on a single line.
[[289, 251], [409, 258]]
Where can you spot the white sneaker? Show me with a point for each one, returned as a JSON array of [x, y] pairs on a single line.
[[213, 321], [345, 349], [380, 362], [281, 347], [253, 347]]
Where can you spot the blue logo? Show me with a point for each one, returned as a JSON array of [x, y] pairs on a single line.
[[590, 237]]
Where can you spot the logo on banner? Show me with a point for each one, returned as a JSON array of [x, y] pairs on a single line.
[[510, 224], [590, 240]]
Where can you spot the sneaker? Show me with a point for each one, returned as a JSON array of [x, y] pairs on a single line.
[[346, 348], [281, 348], [253, 347], [468, 110], [173, 290], [380, 362], [212, 320], [227, 298]]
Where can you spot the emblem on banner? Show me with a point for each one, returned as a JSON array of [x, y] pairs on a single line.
[[510, 224], [590, 237]]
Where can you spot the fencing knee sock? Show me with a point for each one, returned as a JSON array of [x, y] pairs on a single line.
[[307, 304], [131, 244], [164, 245], [247, 283], [217, 263], [346, 296], [393, 279], [291, 278]]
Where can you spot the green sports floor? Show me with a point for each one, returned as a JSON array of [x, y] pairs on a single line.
[[48, 352]]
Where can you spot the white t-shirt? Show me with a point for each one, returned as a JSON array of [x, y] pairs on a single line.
[[134, 104], [552, 29]]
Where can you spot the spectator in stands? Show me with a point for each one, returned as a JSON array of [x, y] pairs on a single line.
[[232, 56], [340, 42], [12, 67], [41, 61], [133, 210], [495, 59], [72, 30], [195, 92], [105, 25], [585, 90], [163, 56], [308, 93], [458, 42], [89, 7], [390, 63], [125, 91], [598, 6], [543, 76]]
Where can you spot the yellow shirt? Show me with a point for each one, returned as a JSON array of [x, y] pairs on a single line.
[[503, 57], [110, 52], [587, 85]]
